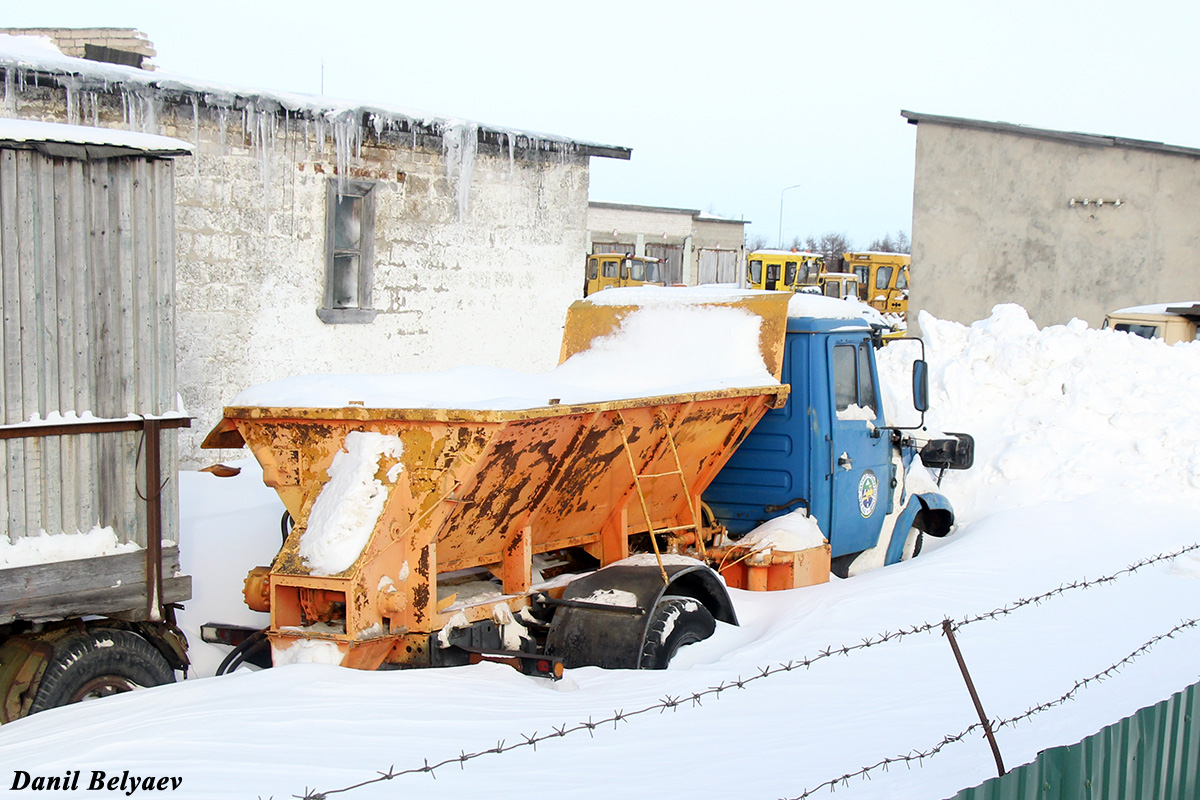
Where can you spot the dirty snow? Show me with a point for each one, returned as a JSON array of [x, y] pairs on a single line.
[[1084, 465], [791, 533], [348, 507], [307, 651]]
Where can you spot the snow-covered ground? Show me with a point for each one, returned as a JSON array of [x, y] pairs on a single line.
[[1087, 462]]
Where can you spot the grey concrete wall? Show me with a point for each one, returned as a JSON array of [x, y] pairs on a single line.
[[993, 223]]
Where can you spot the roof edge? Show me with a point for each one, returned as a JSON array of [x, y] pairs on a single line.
[[1087, 139]]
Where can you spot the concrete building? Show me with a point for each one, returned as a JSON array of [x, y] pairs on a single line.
[[315, 236], [697, 247], [1065, 224]]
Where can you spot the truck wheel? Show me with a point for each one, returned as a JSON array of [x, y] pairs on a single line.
[[674, 623], [912, 544], [98, 663]]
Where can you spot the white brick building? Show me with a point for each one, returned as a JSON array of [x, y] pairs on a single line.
[[314, 236]]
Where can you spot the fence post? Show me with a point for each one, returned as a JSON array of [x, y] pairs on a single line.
[[948, 629]]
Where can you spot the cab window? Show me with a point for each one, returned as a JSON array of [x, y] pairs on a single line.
[[789, 273], [593, 268], [852, 380], [756, 272], [866, 387], [845, 377], [652, 272], [851, 289], [637, 269], [883, 278], [902, 279], [611, 268], [861, 272], [833, 289], [1144, 331]]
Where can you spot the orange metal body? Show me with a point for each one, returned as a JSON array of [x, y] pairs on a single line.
[[490, 490], [481, 489]]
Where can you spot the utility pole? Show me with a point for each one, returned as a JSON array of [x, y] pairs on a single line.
[[797, 186]]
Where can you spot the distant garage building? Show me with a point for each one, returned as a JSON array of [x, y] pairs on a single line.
[[1065, 224], [696, 247]]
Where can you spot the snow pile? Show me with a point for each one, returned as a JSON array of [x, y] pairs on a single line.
[[47, 548], [790, 533], [637, 360], [348, 506], [1061, 413]]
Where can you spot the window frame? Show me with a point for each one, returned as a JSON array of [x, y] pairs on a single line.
[[364, 312]]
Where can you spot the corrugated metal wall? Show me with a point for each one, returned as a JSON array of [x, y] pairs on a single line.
[[87, 280], [1153, 754]]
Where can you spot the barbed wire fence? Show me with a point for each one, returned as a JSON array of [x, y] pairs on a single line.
[[695, 699]]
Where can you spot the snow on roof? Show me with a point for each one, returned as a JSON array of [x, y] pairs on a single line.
[[38, 54], [819, 306], [1156, 308], [97, 141], [784, 253]]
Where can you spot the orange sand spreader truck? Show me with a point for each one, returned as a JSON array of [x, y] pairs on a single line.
[[566, 532]]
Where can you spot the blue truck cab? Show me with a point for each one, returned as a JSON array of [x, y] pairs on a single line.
[[830, 450]]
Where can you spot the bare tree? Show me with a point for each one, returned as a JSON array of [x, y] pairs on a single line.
[[891, 244], [756, 243]]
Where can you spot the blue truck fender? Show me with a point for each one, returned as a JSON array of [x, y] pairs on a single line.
[[929, 511]]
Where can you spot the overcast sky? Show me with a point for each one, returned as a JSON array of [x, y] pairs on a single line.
[[724, 104]]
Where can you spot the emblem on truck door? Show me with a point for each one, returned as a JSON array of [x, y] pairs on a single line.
[[868, 493]]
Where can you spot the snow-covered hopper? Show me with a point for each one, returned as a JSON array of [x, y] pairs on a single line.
[[415, 521]]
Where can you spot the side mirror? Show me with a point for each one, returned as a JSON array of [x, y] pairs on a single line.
[[921, 385]]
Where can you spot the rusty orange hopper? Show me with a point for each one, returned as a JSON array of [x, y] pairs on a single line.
[[474, 510]]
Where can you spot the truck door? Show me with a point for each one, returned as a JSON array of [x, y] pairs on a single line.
[[858, 451]]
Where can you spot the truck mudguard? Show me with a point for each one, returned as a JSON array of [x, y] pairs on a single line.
[[936, 518], [612, 637]]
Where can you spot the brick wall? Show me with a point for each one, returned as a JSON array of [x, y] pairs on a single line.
[[72, 41], [491, 289]]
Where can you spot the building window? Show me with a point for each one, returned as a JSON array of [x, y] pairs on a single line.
[[349, 252]]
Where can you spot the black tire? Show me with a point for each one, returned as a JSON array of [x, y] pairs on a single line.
[[674, 623], [915, 542], [98, 663]]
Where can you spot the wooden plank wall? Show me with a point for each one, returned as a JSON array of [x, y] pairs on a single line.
[[87, 281]]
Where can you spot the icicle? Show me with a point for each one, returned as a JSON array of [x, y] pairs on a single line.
[[223, 122], [196, 136], [460, 143], [10, 97]]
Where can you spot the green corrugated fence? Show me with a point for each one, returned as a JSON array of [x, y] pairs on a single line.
[[1152, 755]]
